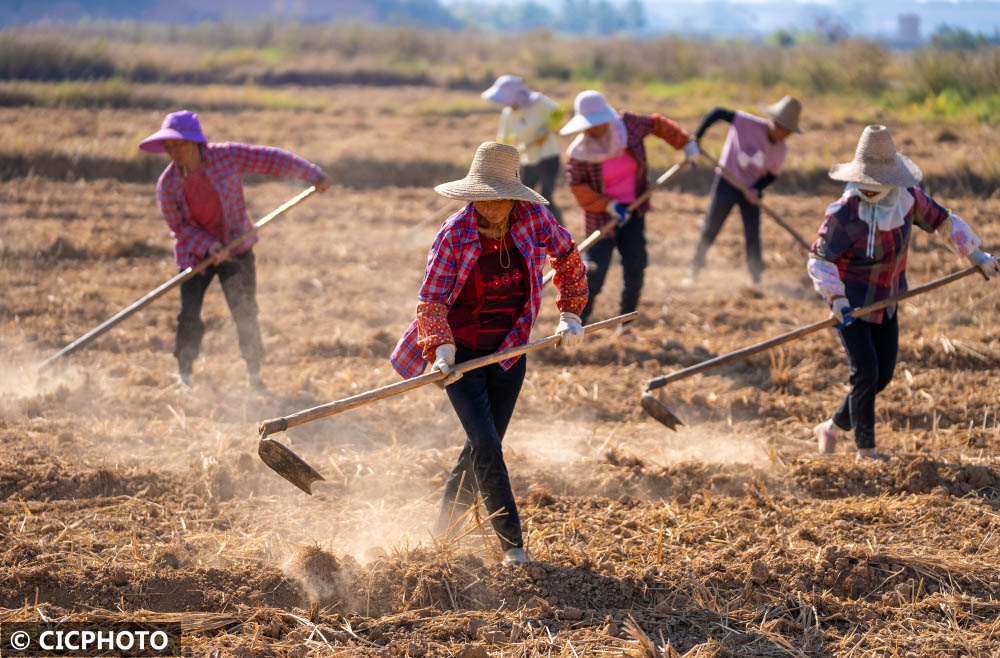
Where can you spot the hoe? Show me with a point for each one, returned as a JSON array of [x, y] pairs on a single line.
[[655, 408], [294, 469]]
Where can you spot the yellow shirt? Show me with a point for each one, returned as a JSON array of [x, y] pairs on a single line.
[[530, 129]]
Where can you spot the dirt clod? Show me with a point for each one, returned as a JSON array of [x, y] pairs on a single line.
[[759, 573]]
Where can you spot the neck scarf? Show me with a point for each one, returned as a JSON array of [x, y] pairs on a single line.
[[884, 212], [610, 145]]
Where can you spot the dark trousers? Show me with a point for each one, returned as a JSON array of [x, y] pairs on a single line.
[[724, 197], [238, 276], [630, 240], [484, 400], [871, 352], [544, 172]]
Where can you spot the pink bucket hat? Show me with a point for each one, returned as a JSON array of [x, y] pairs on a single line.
[[177, 125]]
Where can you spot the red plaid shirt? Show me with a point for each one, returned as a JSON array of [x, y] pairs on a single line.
[[843, 240], [224, 164], [536, 234], [586, 179]]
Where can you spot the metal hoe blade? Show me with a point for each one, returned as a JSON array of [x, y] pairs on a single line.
[[287, 464], [652, 406]]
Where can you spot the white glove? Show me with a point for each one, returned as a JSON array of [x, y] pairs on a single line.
[[839, 307], [570, 329], [987, 263], [691, 150], [444, 361]]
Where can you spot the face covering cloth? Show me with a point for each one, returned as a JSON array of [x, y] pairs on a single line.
[[610, 145], [883, 212]]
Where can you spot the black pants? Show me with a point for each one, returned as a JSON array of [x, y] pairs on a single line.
[[239, 283], [871, 352], [484, 400], [544, 172], [630, 240], [724, 197]]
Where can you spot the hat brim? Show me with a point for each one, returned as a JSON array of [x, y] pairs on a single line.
[[905, 173], [499, 95], [581, 122], [154, 143], [773, 114], [477, 189]]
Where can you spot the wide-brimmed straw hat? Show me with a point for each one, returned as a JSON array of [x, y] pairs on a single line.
[[493, 175], [591, 109], [785, 113], [876, 162], [177, 125]]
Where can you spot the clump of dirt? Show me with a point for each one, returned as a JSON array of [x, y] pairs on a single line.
[[919, 476], [539, 496], [896, 475], [319, 574]]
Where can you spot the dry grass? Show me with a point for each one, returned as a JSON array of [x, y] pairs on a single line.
[[127, 497]]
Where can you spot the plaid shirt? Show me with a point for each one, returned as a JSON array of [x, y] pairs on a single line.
[[223, 164], [456, 249], [586, 179], [843, 240]]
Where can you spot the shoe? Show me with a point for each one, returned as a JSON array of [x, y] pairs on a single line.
[[826, 437], [866, 454], [624, 331], [185, 379], [515, 556]]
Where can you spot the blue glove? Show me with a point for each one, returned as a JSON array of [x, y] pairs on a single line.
[[841, 309], [622, 211]]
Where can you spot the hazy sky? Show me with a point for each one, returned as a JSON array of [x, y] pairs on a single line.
[[879, 17]]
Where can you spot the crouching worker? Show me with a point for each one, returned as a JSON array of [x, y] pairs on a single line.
[[606, 164], [860, 258], [481, 293], [201, 197]]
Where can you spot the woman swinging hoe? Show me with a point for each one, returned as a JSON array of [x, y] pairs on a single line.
[[481, 293], [860, 258], [200, 194]]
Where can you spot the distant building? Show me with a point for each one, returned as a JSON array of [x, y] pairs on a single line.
[[909, 29]]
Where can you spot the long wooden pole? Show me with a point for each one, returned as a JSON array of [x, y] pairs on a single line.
[[743, 188], [743, 353], [180, 278], [281, 424], [601, 232]]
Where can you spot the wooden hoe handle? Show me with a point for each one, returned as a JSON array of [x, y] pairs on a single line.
[[176, 280], [743, 188], [281, 424], [743, 353], [601, 232]]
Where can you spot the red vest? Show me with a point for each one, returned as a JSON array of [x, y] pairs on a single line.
[[493, 297]]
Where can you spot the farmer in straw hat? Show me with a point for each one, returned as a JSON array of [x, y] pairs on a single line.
[[860, 258], [201, 197], [606, 164], [481, 293], [754, 153], [527, 122]]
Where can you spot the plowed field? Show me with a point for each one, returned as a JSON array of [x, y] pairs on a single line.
[[125, 495]]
